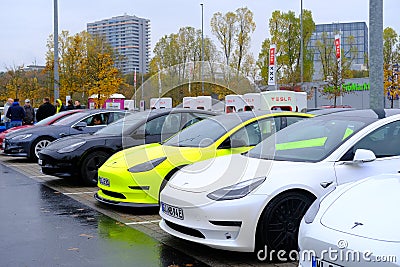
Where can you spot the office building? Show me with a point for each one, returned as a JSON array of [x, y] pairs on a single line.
[[358, 30], [130, 37]]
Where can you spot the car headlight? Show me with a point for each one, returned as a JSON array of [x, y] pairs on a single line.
[[147, 166], [236, 191], [72, 147], [21, 137]]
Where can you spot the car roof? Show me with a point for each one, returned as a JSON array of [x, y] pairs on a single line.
[[149, 114], [365, 113], [323, 111]]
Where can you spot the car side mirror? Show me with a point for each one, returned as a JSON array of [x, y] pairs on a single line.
[[363, 155], [80, 125]]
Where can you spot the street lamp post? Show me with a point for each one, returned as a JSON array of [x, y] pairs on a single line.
[[301, 44], [202, 49], [56, 76]]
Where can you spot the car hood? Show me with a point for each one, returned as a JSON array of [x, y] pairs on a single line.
[[17, 128], [67, 141], [215, 173], [368, 209], [37, 130], [176, 156]]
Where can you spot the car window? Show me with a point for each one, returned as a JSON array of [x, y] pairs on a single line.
[[384, 142], [250, 135], [114, 116], [172, 123], [69, 119], [290, 120], [191, 118], [155, 125], [96, 119]]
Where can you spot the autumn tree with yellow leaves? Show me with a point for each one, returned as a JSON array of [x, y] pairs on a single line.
[[86, 67]]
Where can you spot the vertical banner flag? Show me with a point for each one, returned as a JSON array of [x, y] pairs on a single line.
[[338, 55], [271, 69], [134, 79]]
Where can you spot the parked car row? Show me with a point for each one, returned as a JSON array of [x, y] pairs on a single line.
[[245, 181]]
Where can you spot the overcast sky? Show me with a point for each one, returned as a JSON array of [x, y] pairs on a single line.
[[26, 25]]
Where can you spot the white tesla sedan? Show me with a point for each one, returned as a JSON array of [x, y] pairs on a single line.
[[256, 201], [355, 225]]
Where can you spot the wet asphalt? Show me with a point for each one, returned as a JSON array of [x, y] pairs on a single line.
[[41, 227]]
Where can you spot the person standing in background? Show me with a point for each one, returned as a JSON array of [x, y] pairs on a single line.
[[70, 105], [78, 104], [6, 106], [16, 114], [60, 106], [45, 110], [29, 118]]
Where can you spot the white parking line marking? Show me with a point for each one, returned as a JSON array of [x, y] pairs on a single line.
[[80, 193], [144, 222]]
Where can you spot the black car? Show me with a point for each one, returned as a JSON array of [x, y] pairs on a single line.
[[80, 156], [28, 142]]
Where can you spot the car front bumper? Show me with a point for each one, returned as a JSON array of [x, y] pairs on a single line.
[[229, 225], [16, 148], [129, 189], [58, 166]]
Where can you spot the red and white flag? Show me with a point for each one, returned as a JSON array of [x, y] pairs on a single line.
[[134, 79]]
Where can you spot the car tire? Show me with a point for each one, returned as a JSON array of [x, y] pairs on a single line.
[[279, 223], [37, 146], [90, 165]]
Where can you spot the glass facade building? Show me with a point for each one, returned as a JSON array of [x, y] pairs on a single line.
[[358, 30], [130, 37]]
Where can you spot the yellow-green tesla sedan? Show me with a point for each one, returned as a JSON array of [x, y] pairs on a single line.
[[135, 176]]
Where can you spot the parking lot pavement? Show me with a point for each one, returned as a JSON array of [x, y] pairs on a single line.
[[143, 219]]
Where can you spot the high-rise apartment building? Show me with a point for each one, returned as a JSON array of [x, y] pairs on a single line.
[[358, 30], [130, 37]]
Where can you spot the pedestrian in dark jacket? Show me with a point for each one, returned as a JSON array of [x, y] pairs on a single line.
[[29, 113], [70, 105], [45, 110], [16, 114], [78, 104]]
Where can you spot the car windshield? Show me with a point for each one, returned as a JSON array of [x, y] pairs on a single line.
[[309, 140], [123, 125], [205, 132], [69, 119], [47, 120]]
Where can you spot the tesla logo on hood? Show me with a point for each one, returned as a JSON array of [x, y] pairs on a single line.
[[356, 224]]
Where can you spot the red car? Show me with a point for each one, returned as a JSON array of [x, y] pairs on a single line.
[[47, 121]]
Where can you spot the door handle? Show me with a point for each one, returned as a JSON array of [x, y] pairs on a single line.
[[326, 184]]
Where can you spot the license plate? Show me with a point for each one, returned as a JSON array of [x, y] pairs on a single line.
[[104, 181], [172, 211], [40, 162], [321, 263]]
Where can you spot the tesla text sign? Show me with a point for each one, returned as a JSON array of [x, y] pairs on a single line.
[[271, 68]]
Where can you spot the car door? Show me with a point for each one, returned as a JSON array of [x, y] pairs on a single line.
[[384, 142]]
